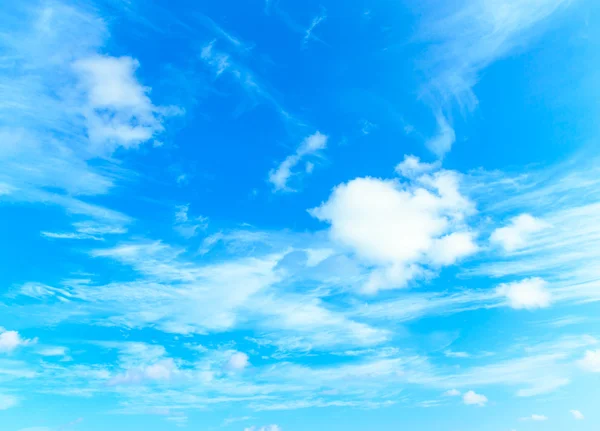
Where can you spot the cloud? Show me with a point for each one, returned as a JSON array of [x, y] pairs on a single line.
[[118, 110], [401, 226], [535, 417], [163, 370], [442, 142], [53, 351], [66, 108], [11, 340], [577, 415], [413, 167], [264, 428], [517, 233], [8, 401], [591, 361], [452, 393], [280, 176], [529, 293], [188, 227], [237, 361], [308, 34], [472, 398], [451, 354]]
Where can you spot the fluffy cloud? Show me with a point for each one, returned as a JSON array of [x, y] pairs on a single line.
[[577, 415], [11, 340], [529, 293], [401, 227], [237, 361], [516, 235], [591, 361], [279, 177], [472, 398], [118, 110]]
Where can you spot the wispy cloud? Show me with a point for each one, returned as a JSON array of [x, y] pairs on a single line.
[[311, 145], [308, 34], [466, 37]]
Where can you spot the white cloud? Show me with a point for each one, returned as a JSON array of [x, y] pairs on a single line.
[[118, 110], [577, 415], [237, 361], [591, 361], [452, 354], [442, 142], [53, 351], [535, 417], [529, 293], [413, 167], [516, 235], [400, 226], [452, 393], [8, 401], [11, 340], [472, 398], [280, 176]]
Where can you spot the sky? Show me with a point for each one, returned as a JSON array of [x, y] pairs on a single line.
[[277, 215]]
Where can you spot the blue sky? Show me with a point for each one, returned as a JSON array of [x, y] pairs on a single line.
[[281, 215]]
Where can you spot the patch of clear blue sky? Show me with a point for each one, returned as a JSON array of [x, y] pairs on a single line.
[[152, 286]]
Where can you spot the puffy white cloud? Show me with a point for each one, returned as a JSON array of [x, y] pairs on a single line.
[[516, 235], [11, 340], [118, 109], [529, 293], [237, 361], [8, 401], [591, 361], [452, 393], [400, 227], [279, 177], [577, 415], [472, 398]]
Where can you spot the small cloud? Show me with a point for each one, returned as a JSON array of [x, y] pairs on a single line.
[[577, 415], [11, 340], [591, 361], [452, 393], [279, 177], [442, 142], [237, 361], [53, 351], [451, 354], [8, 401], [187, 226], [412, 167], [163, 370], [308, 35], [472, 398], [535, 418], [529, 293], [518, 232]]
